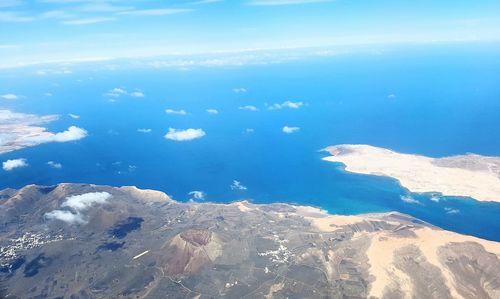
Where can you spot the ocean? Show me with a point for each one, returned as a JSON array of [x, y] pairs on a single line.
[[431, 100]]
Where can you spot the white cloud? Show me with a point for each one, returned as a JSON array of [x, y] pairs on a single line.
[[20, 130], [236, 185], [15, 163], [410, 200], [286, 104], [137, 94], [155, 12], [71, 134], [290, 130], [54, 71], [239, 90], [178, 112], [47, 94], [144, 130], [249, 108], [212, 111], [119, 91], [84, 201], [9, 96], [197, 195], [184, 135], [65, 216], [391, 96], [249, 130], [77, 205], [116, 92], [54, 164], [74, 116], [435, 198], [88, 21], [451, 210]]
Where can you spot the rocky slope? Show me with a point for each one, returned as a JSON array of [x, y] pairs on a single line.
[[86, 241]]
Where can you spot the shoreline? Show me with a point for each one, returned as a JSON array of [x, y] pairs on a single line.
[[316, 214], [375, 253], [470, 176]]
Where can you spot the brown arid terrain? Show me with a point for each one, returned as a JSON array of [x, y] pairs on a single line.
[[87, 241]]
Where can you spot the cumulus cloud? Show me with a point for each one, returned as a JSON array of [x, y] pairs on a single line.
[[120, 91], [76, 205], [20, 130], [286, 104], [290, 130], [14, 163], [184, 135], [249, 108], [116, 92], [66, 216], [212, 111], [236, 185], [144, 130], [197, 195], [178, 112], [71, 134], [410, 200], [84, 201], [54, 164], [9, 96], [74, 116], [239, 90]]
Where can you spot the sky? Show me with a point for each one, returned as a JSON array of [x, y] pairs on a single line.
[[42, 31]]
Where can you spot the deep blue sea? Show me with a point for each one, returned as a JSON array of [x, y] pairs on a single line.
[[446, 101]]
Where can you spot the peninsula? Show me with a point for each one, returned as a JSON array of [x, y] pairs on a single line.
[[467, 175]]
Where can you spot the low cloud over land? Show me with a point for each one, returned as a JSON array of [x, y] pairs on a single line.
[[76, 205], [20, 130]]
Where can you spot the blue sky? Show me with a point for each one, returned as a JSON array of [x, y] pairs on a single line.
[[34, 31]]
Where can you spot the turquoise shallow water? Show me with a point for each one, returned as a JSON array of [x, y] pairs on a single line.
[[447, 101]]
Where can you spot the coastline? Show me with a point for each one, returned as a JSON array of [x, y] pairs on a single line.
[[375, 252], [470, 175]]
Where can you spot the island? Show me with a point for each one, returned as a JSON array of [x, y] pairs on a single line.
[[467, 175], [88, 241]]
